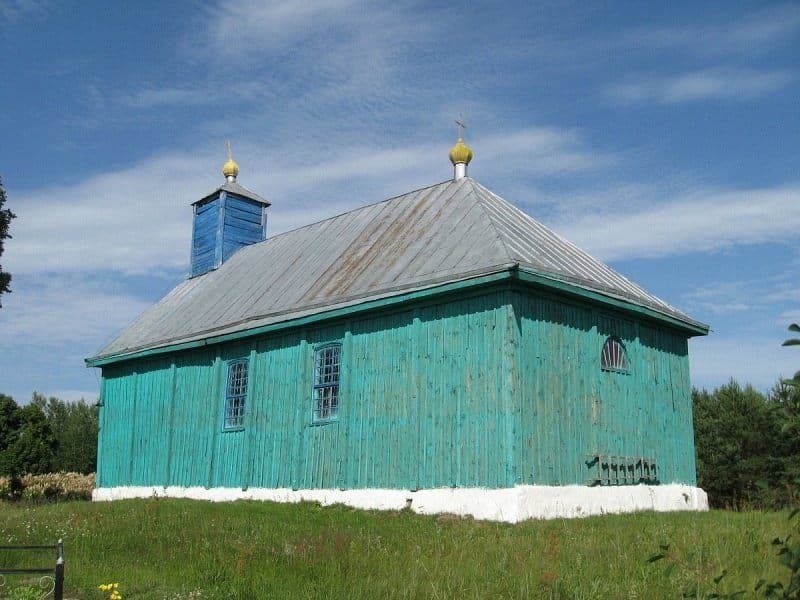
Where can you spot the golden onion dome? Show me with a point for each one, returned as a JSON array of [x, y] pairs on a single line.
[[460, 153], [230, 168]]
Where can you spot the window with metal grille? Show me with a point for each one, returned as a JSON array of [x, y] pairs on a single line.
[[613, 356], [326, 382], [235, 395]]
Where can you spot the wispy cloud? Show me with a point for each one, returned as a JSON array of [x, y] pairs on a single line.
[[787, 292], [242, 27], [13, 10], [50, 324], [727, 84], [65, 310], [292, 68], [137, 220], [753, 34], [698, 222], [765, 296], [126, 220], [541, 151], [193, 95]]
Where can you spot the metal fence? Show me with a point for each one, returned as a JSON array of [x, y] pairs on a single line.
[[611, 469], [51, 579]]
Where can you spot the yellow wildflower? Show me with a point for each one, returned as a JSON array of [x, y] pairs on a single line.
[[113, 588]]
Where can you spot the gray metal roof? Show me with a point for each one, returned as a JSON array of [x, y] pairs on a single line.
[[446, 232], [234, 188]]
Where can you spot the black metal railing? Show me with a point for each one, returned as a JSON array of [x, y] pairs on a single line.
[[51, 579]]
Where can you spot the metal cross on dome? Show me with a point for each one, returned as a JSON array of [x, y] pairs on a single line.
[[461, 125], [228, 146]]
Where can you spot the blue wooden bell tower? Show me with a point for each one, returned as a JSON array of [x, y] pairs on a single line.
[[226, 220]]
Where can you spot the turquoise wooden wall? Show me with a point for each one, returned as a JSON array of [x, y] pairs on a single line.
[[570, 409], [489, 390]]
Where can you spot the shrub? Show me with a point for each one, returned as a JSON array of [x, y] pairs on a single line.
[[10, 488], [50, 487]]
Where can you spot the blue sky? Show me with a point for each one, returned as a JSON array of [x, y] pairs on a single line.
[[663, 140]]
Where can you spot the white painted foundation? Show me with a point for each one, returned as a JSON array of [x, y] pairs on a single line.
[[507, 504]]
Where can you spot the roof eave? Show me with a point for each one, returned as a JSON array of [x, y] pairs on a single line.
[[333, 311], [237, 191], [497, 274], [690, 326]]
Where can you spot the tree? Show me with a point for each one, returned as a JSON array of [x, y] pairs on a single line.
[[27, 443], [47, 435], [74, 425], [35, 445], [9, 430], [795, 381], [5, 221], [748, 445], [734, 434]]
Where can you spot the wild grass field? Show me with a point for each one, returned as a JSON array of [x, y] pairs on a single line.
[[188, 549]]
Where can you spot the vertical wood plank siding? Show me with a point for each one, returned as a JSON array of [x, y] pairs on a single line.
[[571, 409], [489, 390]]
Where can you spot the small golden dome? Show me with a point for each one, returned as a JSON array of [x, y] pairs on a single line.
[[230, 168], [460, 153]]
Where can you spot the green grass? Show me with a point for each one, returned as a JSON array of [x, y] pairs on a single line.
[[169, 548]]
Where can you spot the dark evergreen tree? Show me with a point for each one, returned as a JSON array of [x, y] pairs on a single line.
[[747, 445], [27, 442], [5, 221]]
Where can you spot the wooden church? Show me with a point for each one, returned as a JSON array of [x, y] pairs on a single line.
[[440, 351]]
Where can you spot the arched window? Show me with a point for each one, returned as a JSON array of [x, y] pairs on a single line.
[[613, 356]]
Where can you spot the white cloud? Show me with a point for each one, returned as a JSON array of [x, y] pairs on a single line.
[[540, 151], [700, 222], [730, 84], [65, 310], [313, 64], [240, 27], [131, 220], [138, 221], [754, 33], [760, 297], [786, 293], [50, 323]]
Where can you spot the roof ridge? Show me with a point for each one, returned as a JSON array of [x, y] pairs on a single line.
[[574, 247], [488, 214]]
